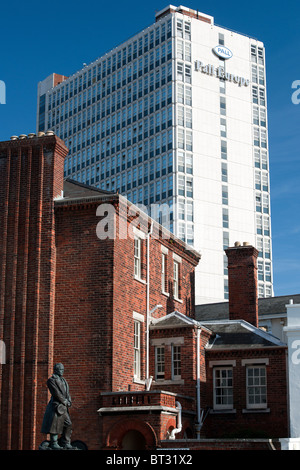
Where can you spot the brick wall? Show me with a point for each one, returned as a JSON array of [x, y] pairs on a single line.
[[83, 339], [31, 171], [96, 295], [271, 424], [67, 296], [242, 283], [155, 425]]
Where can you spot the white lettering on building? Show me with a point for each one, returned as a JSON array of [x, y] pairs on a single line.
[[220, 72]]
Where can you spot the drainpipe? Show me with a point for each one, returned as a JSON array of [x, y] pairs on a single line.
[[179, 422], [148, 301], [199, 424]]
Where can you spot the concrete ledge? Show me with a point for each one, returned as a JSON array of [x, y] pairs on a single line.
[[223, 444], [290, 443]]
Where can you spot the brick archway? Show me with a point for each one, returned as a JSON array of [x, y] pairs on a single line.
[[169, 426], [187, 427], [119, 430]]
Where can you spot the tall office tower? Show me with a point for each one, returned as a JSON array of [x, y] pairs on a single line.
[[176, 115]]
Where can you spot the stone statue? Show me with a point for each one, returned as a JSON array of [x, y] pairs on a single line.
[[57, 419]]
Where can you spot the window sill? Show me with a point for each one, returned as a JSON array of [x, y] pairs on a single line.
[[178, 300], [140, 280], [138, 381], [217, 412], [166, 294], [256, 410], [169, 382]]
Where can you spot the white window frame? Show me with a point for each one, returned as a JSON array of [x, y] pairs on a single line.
[[254, 74], [259, 388], [176, 279], [137, 350], [227, 385], [159, 363], [137, 257], [187, 52], [267, 248], [176, 362], [164, 273]]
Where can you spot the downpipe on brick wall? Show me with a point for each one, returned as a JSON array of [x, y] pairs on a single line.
[[148, 301], [201, 414], [199, 418], [179, 422]]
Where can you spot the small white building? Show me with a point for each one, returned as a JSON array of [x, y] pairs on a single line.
[[292, 333]]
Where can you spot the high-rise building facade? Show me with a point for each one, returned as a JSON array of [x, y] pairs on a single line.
[[176, 116]]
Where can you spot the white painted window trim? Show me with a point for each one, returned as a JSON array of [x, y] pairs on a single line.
[[139, 233], [177, 258], [138, 316], [258, 406], [222, 363], [222, 407], [164, 249], [176, 341], [260, 361], [138, 267], [137, 349], [177, 376]]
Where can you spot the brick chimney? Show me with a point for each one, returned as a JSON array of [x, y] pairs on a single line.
[[242, 282], [31, 175]]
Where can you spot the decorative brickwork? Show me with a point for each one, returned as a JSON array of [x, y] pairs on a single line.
[[102, 307], [32, 174]]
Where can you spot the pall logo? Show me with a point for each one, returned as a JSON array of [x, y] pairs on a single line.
[[223, 52]]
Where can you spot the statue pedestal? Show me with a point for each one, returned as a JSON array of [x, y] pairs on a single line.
[[76, 445]]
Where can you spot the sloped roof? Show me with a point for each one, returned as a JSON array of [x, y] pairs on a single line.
[[266, 306], [174, 319], [74, 189], [225, 334], [75, 192], [239, 334]]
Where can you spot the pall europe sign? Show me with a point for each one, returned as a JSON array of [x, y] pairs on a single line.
[[223, 52], [220, 72]]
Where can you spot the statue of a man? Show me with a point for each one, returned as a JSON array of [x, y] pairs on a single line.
[[57, 419]]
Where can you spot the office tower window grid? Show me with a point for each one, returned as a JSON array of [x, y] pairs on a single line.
[[116, 117], [224, 169], [131, 122], [184, 147], [261, 173]]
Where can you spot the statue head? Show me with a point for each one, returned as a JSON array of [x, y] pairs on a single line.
[[59, 369]]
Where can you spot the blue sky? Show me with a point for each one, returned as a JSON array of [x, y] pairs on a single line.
[[38, 38]]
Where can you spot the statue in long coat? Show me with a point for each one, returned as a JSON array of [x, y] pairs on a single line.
[[56, 418]]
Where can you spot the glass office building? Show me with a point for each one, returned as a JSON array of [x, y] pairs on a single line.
[[176, 116]]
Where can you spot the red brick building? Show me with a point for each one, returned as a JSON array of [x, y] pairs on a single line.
[[89, 281]]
